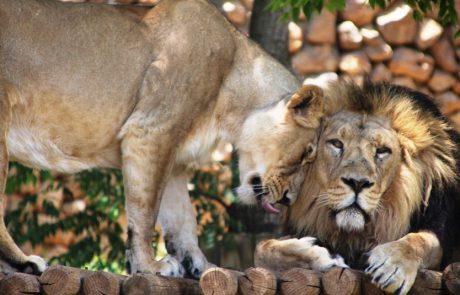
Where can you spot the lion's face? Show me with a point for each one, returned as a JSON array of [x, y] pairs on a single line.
[[277, 145], [360, 155]]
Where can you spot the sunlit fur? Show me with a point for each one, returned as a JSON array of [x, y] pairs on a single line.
[[285, 137], [364, 119]]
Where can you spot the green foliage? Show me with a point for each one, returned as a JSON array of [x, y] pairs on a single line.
[[99, 242], [291, 8], [98, 222]]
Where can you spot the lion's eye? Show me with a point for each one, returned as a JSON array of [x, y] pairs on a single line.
[[336, 143], [382, 151]]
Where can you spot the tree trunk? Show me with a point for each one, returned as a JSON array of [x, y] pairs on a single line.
[[270, 32]]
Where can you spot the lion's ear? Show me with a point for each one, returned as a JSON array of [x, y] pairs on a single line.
[[306, 106]]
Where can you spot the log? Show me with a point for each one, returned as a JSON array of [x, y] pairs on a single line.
[[427, 282], [159, 285], [220, 281], [451, 277], [300, 281], [62, 280], [19, 284], [257, 281], [344, 281], [102, 283]]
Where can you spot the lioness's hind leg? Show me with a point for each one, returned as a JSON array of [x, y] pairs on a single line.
[[8, 248], [178, 223]]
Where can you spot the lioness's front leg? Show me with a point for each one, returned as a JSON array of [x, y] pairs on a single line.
[[178, 223], [147, 160], [281, 255], [393, 266]]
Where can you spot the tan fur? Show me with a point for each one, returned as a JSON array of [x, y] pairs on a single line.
[[86, 85], [282, 255], [378, 157], [393, 266], [421, 155], [287, 135]]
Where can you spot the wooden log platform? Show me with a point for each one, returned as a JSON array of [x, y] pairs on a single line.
[[64, 280]]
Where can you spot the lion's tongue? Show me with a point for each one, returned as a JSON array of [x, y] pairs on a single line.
[[269, 207]]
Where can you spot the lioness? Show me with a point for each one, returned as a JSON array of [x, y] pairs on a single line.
[[87, 85], [383, 192]]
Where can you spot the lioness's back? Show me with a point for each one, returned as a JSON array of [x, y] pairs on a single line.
[[73, 71]]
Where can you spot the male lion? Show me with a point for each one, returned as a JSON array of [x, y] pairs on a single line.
[[88, 85], [383, 190]]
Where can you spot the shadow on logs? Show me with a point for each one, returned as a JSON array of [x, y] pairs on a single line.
[[158, 285], [19, 284], [300, 281]]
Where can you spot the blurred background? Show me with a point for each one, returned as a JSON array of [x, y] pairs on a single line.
[[79, 220]]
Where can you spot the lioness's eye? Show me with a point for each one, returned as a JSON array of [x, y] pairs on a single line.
[[382, 151], [336, 143]]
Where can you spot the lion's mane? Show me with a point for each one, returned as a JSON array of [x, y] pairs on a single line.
[[428, 164]]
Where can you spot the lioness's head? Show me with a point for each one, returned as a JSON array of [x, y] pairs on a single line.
[[380, 150], [275, 145]]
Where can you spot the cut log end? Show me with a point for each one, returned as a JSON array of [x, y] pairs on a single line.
[[219, 281], [58, 280], [19, 284], [258, 281], [343, 281], [100, 282], [300, 281], [451, 277]]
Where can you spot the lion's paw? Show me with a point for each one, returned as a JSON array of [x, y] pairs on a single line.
[[320, 258], [393, 267]]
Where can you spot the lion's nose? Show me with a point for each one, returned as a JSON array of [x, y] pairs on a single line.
[[357, 184]]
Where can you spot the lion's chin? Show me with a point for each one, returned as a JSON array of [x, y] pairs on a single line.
[[350, 220]]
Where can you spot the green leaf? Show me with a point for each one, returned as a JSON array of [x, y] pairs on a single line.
[[457, 34], [417, 15], [308, 9]]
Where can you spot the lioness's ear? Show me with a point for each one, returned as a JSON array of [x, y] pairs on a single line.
[[306, 106]]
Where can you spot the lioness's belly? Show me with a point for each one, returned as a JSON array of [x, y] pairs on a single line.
[[66, 135], [28, 147]]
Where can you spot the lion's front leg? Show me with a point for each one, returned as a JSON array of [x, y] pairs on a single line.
[[393, 266], [280, 255], [178, 223]]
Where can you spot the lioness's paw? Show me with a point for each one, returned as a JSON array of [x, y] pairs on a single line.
[[195, 263], [170, 267], [393, 267], [38, 264]]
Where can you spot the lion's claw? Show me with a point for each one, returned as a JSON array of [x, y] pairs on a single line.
[[392, 269]]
